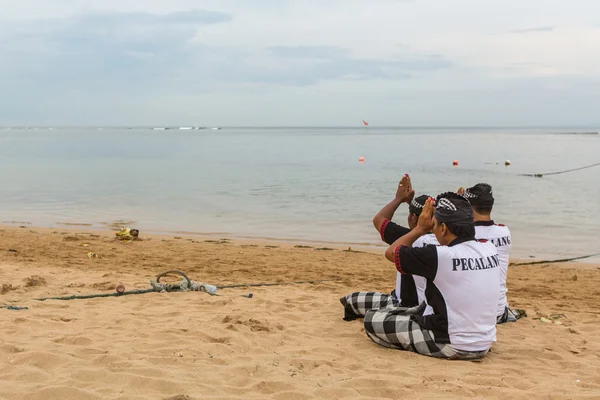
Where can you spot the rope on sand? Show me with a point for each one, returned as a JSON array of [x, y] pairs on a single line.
[[93, 296], [561, 172], [15, 308], [562, 260], [276, 284], [185, 285]]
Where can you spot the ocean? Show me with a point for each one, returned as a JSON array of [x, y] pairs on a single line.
[[299, 184]]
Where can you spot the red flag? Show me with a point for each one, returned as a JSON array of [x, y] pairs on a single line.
[[365, 123]]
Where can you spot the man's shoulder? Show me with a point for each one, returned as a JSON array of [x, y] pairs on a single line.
[[503, 229], [425, 240], [469, 247], [495, 230], [489, 245]]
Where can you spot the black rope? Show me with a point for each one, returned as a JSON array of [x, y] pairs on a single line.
[[274, 284], [562, 260], [562, 172], [15, 308], [93, 296]]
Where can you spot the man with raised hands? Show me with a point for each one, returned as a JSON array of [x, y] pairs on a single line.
[[409, 291], [463, 283]]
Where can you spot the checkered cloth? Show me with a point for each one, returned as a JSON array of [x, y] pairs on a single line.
[[510, 315], [396, 329], [357, 304]]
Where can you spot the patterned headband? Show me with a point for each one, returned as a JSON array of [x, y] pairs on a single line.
[[485, 198], [414, 204], [468, 195], [446, 204]]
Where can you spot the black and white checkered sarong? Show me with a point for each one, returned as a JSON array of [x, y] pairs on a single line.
[[357, 304], [509, 315], [394, 328]]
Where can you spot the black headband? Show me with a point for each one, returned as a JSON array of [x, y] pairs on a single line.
[[480, 195], [417, 204], [450, 207]]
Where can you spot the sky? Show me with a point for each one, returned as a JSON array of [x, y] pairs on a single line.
[[300, 62]]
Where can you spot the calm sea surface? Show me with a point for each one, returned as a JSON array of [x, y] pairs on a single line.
[[303, 184]]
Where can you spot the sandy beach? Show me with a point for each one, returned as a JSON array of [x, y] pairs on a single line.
[[286, 342]]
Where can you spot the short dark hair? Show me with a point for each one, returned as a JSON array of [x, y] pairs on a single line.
[[483, 209], [461, 230]]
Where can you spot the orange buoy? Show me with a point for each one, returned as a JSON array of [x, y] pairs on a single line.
[[455, 163], [361, 159]]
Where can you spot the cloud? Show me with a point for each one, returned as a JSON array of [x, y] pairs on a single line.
[[103, 49], [150, 53], [311, 64], [265, 61], [536, 29], [99, 60], [404, 62], [316, 52]]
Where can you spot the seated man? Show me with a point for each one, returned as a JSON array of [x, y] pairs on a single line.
[[462, 287], [481, 198], [409, 292]]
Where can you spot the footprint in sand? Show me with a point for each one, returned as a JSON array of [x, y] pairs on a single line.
[[254, 324], [74, 340], [11, 349], [35, 280]]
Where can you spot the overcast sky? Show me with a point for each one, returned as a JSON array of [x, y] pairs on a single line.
[[300, 62]]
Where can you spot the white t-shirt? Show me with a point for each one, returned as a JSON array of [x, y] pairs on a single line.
[[499, 235], [463, 282]]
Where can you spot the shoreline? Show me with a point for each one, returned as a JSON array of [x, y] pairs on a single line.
[[115, 226], [188, 235], [110, 229]]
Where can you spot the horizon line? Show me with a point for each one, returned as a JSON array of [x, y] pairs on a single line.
[[121, 126]]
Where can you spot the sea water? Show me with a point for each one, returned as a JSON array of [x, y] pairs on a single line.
[[298, 184]]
